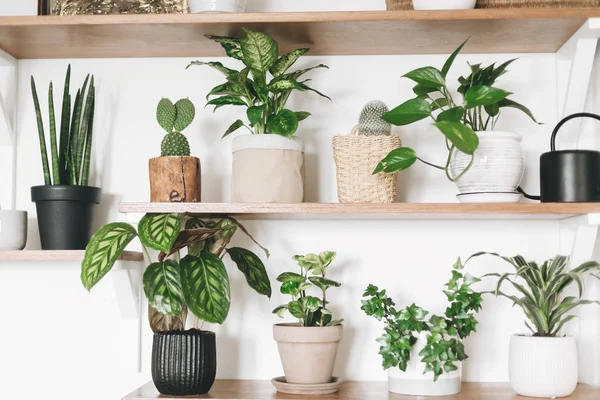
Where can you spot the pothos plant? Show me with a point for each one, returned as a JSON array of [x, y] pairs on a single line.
[[308, 309], [263, 86], [479, 109], [444, 348], [198, 282]]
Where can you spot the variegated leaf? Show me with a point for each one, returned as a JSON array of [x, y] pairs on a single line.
[[260, 51], [162, 286], [230, 45], [159, 231], [189, 237], [253, 269], [228, 72], [286, 61]]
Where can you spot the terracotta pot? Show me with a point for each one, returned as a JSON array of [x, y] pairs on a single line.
[[307, 353], [175, 180]]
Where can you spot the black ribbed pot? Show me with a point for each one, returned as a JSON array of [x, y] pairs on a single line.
[[184, 363], [65, 215]]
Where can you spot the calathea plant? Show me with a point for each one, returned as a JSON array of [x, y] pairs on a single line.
[[308, 309], [444, 349], [198, 282], [479, 110], [174, 118], [263, 87]]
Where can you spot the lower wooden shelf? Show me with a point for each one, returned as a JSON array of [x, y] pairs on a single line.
[[263, 390], [58, 255]]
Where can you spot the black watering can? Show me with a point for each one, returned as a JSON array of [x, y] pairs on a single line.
[[569, 176]]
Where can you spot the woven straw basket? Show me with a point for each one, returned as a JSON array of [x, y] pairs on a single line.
[[536, 3], [355, 159], [399, 5]]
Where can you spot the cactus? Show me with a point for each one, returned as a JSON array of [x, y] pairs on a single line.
[[371, 122], [174, 118]]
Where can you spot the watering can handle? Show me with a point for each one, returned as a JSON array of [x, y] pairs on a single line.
[[564, 121]]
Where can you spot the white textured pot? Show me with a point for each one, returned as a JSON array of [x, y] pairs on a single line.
[[307, 353], [543, 366], [267, 169], [13, 230], [498, 165], [443, 4], [414, 383], [217, 6]]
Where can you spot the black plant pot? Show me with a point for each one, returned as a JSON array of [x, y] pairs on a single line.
[[65, 215], [184, 363]]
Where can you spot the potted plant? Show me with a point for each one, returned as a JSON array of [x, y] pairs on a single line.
[[65, 203], [217, 6], [183, 362], [544, 363], [487, 165], [308, 348], [422, 354], [175, 175], [268, 165]]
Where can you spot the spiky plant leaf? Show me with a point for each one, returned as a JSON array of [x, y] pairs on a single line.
[[64, 129], [160, 231], [253, 269], [162, 286], [41, 136]]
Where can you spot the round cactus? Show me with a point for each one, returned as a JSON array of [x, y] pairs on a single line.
[[174, 118], [371, 122], [175, 144]]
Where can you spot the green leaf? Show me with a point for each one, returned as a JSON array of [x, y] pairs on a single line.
[[290, 277], [421, 90], [226, 101], [234, 127], [162, 286], [310, 303], [453, 115], [408, 112], [280, 310], [308, 262], [297, 74], [335, 322], [327, 258], [228, 72], [439, 103], [296, 309], [302, 115], [513, 104], [255, 114], [482, 95], [231, 45], [165, 114], [103, 250], [286, 61], [285, 85], [492, 109], [227, 89], [243, 228], [323, 283], [160, 231], [398, 160], [253, 269], [290, 287], [461, 136], [284, 123], [450, 60], [206, 287], [260, 51], [427, 76], [305, 87]]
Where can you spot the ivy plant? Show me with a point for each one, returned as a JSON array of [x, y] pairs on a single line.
[[263, 86], [479, 109], [198, 282], [308, 309], [444, 348]]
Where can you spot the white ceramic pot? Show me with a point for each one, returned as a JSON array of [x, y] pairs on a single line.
[[13, 230], [217, 6], [267, 169], [443, 4], [498, 165], [307, 353], [414, 383], [543, 366]]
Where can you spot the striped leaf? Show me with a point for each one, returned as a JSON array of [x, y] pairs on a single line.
[[162, 286], [104, 249], [160, 231], [189, 238], [253, 269], [206, 287]]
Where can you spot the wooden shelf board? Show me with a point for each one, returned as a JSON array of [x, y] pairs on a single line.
[[400, 211], [263, 390], [58, 255], [326, 33]]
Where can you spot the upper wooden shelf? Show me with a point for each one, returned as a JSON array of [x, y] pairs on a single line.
[[399, 211], [58, 255], [326, 33]]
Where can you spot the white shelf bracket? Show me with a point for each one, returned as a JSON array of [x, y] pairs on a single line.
[[127, 283], [8, 120]]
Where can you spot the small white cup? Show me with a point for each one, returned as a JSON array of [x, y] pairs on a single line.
[[13, 230]]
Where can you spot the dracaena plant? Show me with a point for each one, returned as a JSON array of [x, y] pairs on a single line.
[[479, 108], [263, 86], [308, 309], [444, 348], [540, 290], [198, 282]]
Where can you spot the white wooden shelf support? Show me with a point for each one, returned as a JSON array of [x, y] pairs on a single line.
[[8, 120]]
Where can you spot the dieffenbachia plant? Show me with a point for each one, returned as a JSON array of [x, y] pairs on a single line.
[[478, 110], [444, 348], [198, 282], [309, 310], [264, 100]]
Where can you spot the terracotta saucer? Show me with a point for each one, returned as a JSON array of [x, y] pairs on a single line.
[[310, 389]]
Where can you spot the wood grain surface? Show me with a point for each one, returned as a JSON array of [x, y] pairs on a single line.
[[58, 255]]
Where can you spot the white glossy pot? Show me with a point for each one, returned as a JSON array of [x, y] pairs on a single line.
[[543, 366], [217, 6], [13, 230], [414, 383], [443, 4], [498, 165]]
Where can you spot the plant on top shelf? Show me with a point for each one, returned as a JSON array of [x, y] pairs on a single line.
[[65, 204]]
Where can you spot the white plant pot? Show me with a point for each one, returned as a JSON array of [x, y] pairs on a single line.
[[543, 366], [443, 4], [267, 169], [497, 168], [13, 230], [414, 383], [217, 6]]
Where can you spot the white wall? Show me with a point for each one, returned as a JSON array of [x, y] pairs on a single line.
[[80, 342]]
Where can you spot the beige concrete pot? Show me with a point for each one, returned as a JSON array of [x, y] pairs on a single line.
[[307, 353], [175, 179]]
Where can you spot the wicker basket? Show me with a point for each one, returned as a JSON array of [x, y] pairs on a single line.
[[355, 159], [399, 5], [536, 3]]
